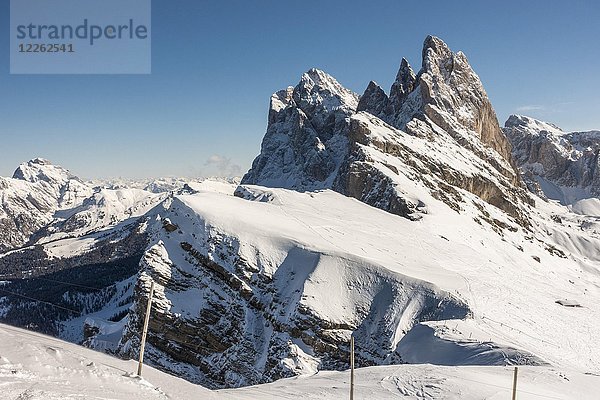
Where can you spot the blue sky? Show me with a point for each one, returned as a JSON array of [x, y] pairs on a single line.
[[216, 63]]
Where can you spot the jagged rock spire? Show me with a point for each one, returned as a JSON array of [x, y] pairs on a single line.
[[454, 98], [450, 94], [404, 84], [316, 139], [433, 45], [374, 101]]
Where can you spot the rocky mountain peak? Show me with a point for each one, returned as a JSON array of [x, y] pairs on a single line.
[[279, 101], [42, 170], [530, 125], [555, 164], [321, 135], [30, 199], [40, 161], [435, 48], [306, 136], [374, 100], [449, 94], [319, 89], [454, 98], [405, 73], [403, 85]]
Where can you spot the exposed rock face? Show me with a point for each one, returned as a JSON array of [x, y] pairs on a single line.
[[310, 145], [564, 166], [404, 85], [306, 136], [375, 101], [384, 160], [450, 94]]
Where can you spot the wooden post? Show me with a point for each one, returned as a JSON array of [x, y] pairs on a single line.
[[514, 392], [145, 331], [352, 367]]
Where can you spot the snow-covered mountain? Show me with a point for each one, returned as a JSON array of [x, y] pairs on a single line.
[[44, 202], [307, 134], [276, 280], [30, 198], [558, 165], [400, 219], [437, 127]]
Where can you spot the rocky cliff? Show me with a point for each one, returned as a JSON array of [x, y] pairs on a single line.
[[559, 165], [443, 106], [306, 137]]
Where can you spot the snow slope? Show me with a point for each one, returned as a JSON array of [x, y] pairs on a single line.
[[38, 367], [34, 366], [286, 277]]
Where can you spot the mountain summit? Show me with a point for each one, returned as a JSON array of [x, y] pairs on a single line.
[[40, 169], [448, 92], [31, 197], [306, 137], [321, 135]]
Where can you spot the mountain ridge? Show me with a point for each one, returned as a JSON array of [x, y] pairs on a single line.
[[443, 104]]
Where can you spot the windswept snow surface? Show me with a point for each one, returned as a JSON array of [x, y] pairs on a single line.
[[34, 366], [511, 295]]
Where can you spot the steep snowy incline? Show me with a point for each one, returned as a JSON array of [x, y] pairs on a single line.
[[558, 165], [37, 367], [271, 285], [243, 282]]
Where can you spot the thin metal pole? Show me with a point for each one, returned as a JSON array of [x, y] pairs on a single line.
[[514, 393], [145, 331], [351, 367]]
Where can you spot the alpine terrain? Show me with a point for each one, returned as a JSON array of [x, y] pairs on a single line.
[[408, 219]]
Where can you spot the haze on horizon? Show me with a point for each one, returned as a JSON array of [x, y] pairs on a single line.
[[203, 109]]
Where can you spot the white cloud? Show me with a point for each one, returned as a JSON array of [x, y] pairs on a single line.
[[222, 166], [531, 107]]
